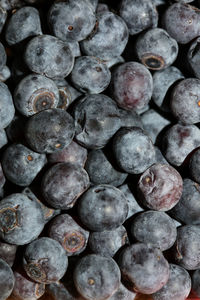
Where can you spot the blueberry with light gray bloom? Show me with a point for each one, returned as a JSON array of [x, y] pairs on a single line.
[[75, 48], [123, 293], [24, 23], [49, 56], [3, 17], [7, 280], [7, 110], [159, 156], [8, 253], [194, 165], [3, 138], [196, 283], [5, 74], [3, 57]]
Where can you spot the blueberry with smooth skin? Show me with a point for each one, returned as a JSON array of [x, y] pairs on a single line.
[[196, 283], [3, 17], [194, 166], [102, 171], [187, 210], [8, 253], [35, 93], [45, 260], [90, 75], [72, 20], [162, 81], [21, 165], [49, 56], [3, 57], [24, 23], [72, 237], [25, 288], [160, 187], [155, 228], [132, 85], [50, 130], [96, 277], [102, 207], [133, 150], [7, 110], [109, 37], [177, 287], [179, 141], [156, 49], [21, 219], [97, 118], [63, 183], [7, 280], [108, 242], [182, 22], [187, 247], [138, 15], [5, 74], [144, 269]]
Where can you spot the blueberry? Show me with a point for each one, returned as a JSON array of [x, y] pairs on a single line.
[[75, 48], [107, 243], [102, 207], [45, 260], [5, 74], [96, 277], [155, 228], [49, 56], [178, 286], [102, 171], [6, 103], [72, 20], [8, 253], [132, 85], [94, 129], [21, 220], [130, 118], [21, 165], [50, 130], [144, 268], [133, 150], [3, 138], [194, 165], [139, 15], [179, 141], [159, 156], [7, 280], [35, 93], [15, 130], [160, 187], [3, 17], [3, 57], [156, 49], [193, 57], [182, 22], [24, 23], [94, 3], [58, 290], [102, 7], [72, 237], [196, 283], [123, 293], [63, 183], [109, 37], [90, 75]]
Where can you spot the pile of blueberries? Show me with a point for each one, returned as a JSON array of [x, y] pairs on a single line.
[[99, 149]]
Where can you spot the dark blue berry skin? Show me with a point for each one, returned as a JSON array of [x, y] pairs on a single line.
[[196, 283], [21, 165], [144, 268], [187, 210], [179, 141], [155, 228], [96, 277], [156, 49], [138, 15], [7, 108], [162, 81], [8, 252], [123, 293], [178, 286], [185, 104], [90, 75], [63, 183], [187, 247], [24, 23], [102, 207], [49, 56], [72, 20], [159, 156], [25, 288], [3, 17], [133, 205], [97, 118], [194, 166], [72, 237], [130, 118], [193, 57], [35, 93], [15, 130], [21, 219], [160, 187], [7, 280], [153, 123], [109, 37], [101, 170], [182, 22], [107, 243], [132, 85], [3, 57], [133, 150], [50, 130], [45, 260]]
